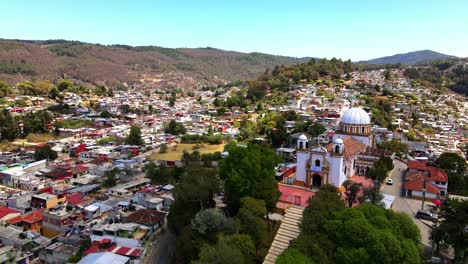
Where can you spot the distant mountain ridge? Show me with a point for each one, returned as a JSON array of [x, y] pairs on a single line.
[[148, 66], [409, 58]]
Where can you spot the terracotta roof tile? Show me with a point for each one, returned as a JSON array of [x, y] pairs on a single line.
[[146, 217], [352, 147]]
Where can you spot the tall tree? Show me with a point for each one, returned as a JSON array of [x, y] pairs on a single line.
[[5, 90], [250, 171], [134, 137], [45, 152], [194, 192], [453, 230], [454, 166]]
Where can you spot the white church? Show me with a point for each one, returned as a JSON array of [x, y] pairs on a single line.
[[338, 161]]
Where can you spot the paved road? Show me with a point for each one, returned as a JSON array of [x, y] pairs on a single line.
[[162, 249], [402, 204]]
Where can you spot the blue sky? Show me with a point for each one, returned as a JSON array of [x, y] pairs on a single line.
[[360, 29]]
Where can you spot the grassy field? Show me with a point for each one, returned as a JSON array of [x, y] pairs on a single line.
[[175, 153]]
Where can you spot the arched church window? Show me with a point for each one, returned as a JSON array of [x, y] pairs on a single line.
[[301, 145], [337, 149], [363, 129], [317, 163], [307, 145]]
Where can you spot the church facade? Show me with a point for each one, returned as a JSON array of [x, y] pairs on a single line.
[[335, 163]]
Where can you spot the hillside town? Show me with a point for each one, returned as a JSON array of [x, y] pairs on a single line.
[[92, 188]]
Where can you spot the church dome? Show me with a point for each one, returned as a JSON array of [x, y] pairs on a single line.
[[338, 141], [355, 116], [302, 137]]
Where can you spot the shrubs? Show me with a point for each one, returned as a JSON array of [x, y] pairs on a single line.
[[196, 139]]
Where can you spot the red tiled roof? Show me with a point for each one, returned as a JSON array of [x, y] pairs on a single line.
[[4, 211], [352, 147], [435, 173], [75, 198], [417, 184], [30, 218], [146, 217]]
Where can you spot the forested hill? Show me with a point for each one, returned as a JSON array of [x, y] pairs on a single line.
[[152, 66], [409, 58], [450, 73]]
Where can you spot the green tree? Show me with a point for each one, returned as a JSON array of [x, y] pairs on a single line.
[[54, 93], [293, 256], [316, 129], [454, 166], [163, 148], [251, 217], [231, 144], [45, 152], [111, 177], [64, 85], [194, 192], [134, 137], [105, 114], [209, 223], [250, 171], [453, 230], [5, 90], [7, 125], [374, 196], [244, 244], [221, 253], [175, 128]]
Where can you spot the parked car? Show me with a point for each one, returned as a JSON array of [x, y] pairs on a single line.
[[426, 215], [390, 181]]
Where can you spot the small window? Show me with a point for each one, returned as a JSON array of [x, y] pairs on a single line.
[[337, 149], [363, 129], [317, 163], [301, 145]]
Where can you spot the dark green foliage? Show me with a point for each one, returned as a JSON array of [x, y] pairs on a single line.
[[134, 137], [10, 67], [8, 125], [293, 256], [221, 253], [210, 139], [175, 128], [64, 85], [454, 166], [250, 171], [71, 49], [363, 234], [210, 223], [381, 168], [251, 218], [453, 230], [5, 89], [194, 192], [45, 152], [105, 114], [111, 177], [36, 122], [157, 174]]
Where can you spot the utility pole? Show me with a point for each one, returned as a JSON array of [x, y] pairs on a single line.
[[423, 190]]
